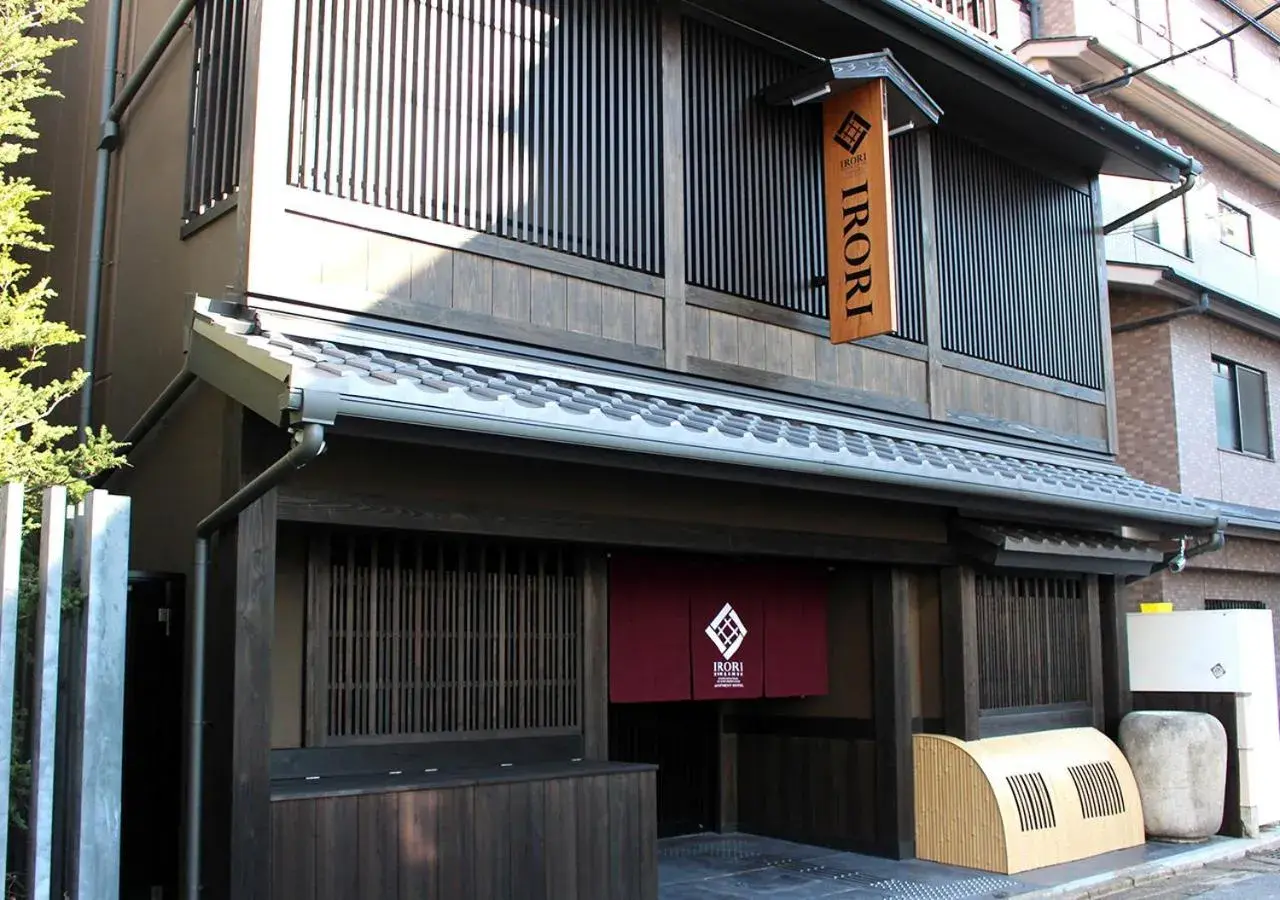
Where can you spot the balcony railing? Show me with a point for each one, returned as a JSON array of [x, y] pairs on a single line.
[[978, 14]]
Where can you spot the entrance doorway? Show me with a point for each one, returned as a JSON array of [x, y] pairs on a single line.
[[683, 740]]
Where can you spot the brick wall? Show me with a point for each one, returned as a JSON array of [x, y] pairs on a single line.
[[1147, 424], [1207, 471]]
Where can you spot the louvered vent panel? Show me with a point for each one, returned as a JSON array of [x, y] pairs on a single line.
[[1099, 789], [1035, 806]]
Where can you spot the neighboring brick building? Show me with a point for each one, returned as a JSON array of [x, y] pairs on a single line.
[[1195, 283]]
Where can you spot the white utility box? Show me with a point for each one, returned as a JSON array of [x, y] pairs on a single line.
[[1220, 651]]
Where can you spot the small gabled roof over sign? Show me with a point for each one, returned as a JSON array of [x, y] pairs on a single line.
[[909, 104], [341, 372]]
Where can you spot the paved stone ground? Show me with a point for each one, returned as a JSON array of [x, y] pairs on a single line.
[[1252, 878]]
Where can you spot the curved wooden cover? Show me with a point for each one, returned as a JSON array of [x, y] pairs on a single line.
[[1021, 802]]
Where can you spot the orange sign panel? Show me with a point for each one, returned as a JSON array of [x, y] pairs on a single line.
[[861, 284]]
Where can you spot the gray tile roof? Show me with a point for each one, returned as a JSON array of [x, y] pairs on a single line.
[[410, 379]]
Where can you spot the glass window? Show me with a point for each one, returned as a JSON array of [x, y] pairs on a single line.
[[1236, 227], [1240, 398], [1166, 225], [1221, 55]]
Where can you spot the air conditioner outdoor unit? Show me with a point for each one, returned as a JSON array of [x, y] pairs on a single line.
[[1014, 803]]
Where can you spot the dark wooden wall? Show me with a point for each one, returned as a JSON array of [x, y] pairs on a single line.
[[807, 779], [587, 838], [718, 279]]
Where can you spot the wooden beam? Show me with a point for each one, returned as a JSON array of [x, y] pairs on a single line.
[[891, 684], [595, 656], [1104, 315], [1117, 701], [932, 278], [960, 701], [320, 506], [673, 301]]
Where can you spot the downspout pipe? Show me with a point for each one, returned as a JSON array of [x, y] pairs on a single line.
[[1198, 309], [1188, 182], [308, 444], [1035, 13], [113, 110]]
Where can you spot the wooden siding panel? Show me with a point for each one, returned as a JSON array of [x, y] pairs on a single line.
[[649, 321], [512, 289], [585, 307], [618, 314], [533, 110], [1030, 299], [989, 400]]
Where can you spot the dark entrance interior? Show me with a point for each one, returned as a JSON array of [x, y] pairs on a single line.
[[151, 807], [683, 741]]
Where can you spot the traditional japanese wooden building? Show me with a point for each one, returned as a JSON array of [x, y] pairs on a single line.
[[558, 521]]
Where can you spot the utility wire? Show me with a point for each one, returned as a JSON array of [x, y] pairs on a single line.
[[1091, 88]]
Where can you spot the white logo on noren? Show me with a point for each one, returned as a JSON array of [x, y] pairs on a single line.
[[726, 632]]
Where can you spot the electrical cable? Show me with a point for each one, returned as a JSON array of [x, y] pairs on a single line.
[[1091, 88]]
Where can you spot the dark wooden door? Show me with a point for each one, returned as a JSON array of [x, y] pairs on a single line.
[[151, 807], [683, 740]]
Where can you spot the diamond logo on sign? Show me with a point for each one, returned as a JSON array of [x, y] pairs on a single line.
[[1218, 671], [726, 632]]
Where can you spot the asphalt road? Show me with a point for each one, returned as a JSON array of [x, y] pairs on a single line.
[[1252, 878]]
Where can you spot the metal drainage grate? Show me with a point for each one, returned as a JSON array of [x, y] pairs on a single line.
[[959, 889]]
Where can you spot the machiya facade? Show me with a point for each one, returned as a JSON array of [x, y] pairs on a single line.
[[585, 533], [1195, 283]]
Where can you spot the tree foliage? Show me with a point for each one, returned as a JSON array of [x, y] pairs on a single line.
[[32, 449]]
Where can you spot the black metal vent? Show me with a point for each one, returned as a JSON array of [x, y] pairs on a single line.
[[213, 152], [1018, 264], [753, 182], [1031, 796], [1234, 604], [1098, 788], [536, 120]]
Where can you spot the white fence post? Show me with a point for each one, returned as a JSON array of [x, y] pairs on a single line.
[[10, 564], [104, 577], [44, 699]]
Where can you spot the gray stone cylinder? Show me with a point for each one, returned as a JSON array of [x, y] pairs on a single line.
[[1179, 760]]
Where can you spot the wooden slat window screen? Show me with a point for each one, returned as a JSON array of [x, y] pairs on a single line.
[[1033, 641], [422, 638], [535, 120], [213, 153], [1018, 265]]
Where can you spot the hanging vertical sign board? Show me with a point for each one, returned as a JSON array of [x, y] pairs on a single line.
[[859, 215]]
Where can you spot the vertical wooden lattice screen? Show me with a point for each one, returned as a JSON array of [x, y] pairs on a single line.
[[536, 120], [1025, 294], [422, 637], [213, 153], [1033, 641]]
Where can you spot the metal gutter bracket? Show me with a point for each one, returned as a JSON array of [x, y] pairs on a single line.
[[316, 407], [1176, 561]]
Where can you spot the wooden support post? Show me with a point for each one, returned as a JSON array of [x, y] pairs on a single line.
[[237, 846], [727, 818], [255, 537], [891, 679], [1096, 698], [960, 700], [1117, 701], [595, 653], [673, 193]]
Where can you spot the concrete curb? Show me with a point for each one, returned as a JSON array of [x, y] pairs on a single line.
[[1108, 883]]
